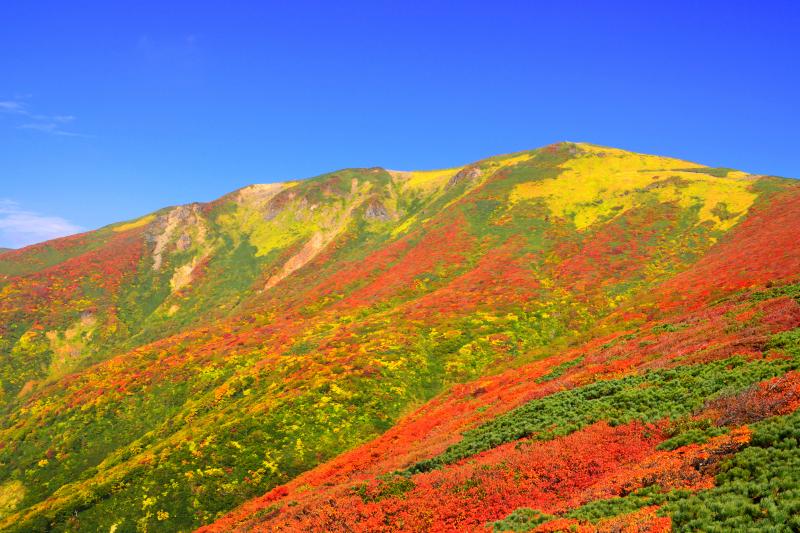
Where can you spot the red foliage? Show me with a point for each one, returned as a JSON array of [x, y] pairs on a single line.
[[498, 278], [541, 475], [617, 251], [445, 246], [49, 292], [777, 396], [497, 481], [761, 248], [689, 467]]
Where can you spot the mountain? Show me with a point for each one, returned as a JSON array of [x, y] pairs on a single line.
[[569, 336]]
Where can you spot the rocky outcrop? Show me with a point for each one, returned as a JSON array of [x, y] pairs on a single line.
[[184, 219], [465, 174], [377, 211]]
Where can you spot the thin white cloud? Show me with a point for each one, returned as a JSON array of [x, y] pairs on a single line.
[[50, 124], [10, 106], [49, 127], [20, 227]]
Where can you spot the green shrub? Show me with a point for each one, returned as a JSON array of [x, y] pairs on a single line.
[[648, 397], [645, 497], [559, 370], [756, 490], [690, 431], [522, 519], [791, 291]]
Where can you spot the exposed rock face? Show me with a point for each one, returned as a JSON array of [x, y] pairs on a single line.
[[259, 193], [277, 204], [311, 248], [271, 197], [334, 226], [377, 211], [465, 174], [183, 243], [184, 274], [179, 219]]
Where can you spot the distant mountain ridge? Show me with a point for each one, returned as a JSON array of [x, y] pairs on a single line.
[[159, 372]]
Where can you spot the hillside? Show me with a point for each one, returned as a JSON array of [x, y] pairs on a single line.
[[573, 336]]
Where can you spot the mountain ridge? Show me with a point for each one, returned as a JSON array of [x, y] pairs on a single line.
[[293, 182]]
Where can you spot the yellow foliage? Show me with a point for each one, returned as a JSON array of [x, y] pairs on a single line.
[[601, 183], [267, 235], [270, 465], [11, 493], [508, 160], [68, 349], [148, 501], [432, 180], [135, 224], [297, 221], [404, 226], [336, 389], [427, 180]]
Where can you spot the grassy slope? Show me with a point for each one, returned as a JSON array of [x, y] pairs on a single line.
[[159, 372]]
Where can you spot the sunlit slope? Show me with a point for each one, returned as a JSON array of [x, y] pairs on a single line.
[[159, 372], [605, 183], [630, 430]]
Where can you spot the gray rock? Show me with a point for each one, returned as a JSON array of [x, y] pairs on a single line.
[[377, 211], [465, 174]]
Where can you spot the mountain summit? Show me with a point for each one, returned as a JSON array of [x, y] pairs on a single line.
[[569, 336]]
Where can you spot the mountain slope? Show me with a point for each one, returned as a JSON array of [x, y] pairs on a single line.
[[159, 372], [600, 436]]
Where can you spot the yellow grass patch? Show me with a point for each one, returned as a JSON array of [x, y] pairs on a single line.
[[602, 183], [11, 493], [427, 180], [68, 347], [135, 224]]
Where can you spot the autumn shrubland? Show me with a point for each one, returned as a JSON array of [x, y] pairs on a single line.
[[568, 338]]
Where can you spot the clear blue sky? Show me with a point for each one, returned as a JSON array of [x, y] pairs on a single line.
[[109, 110]]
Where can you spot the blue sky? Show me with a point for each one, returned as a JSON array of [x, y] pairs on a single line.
[[109, 110]]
